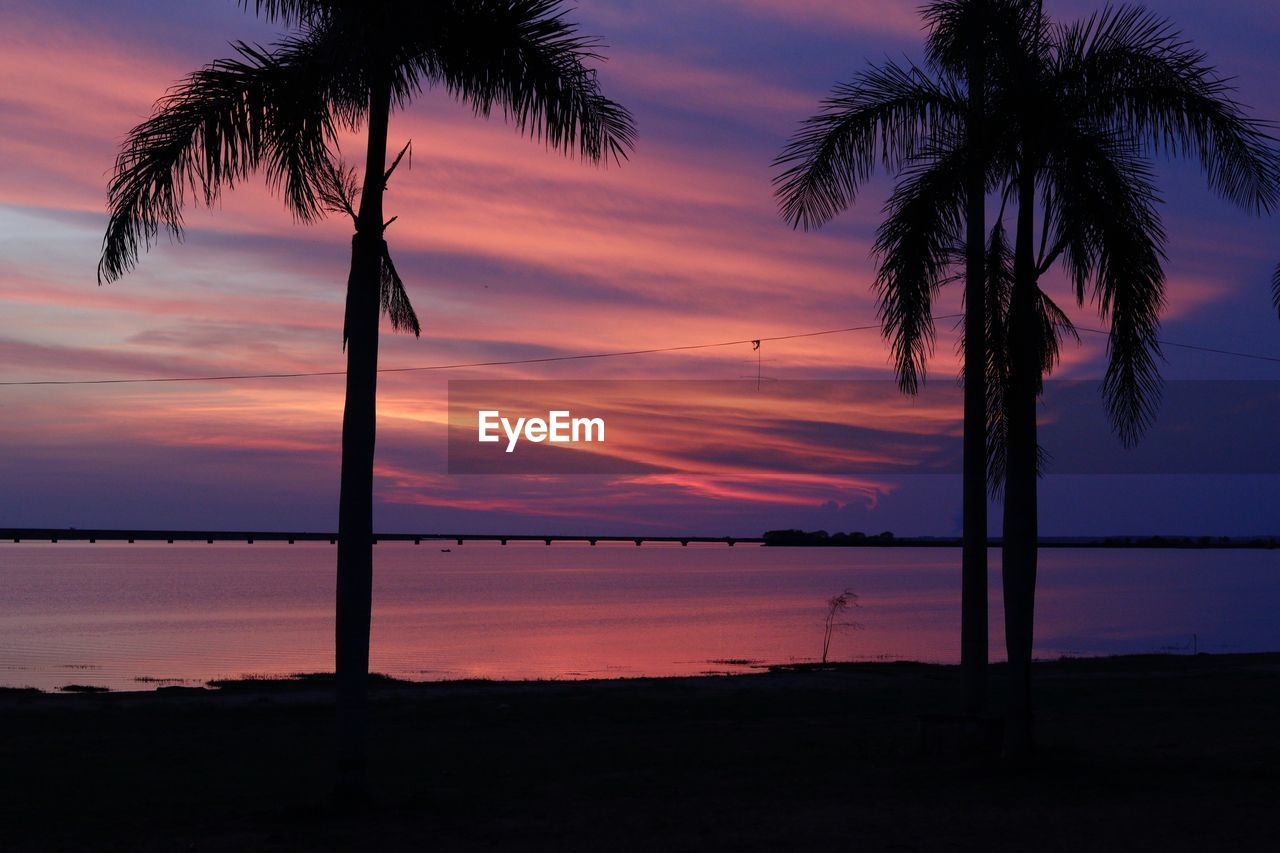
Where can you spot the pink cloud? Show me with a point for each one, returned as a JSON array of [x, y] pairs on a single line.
[[891, 17]]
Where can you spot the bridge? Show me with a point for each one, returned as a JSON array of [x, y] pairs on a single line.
[[85, 534], [77, 534]]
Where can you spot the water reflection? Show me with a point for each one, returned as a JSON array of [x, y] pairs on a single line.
[[143, 616]]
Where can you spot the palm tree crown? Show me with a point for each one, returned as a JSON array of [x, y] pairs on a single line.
[[1091, 102], [280, 109]]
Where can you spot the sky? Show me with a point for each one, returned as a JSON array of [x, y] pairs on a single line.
[[512, 252]]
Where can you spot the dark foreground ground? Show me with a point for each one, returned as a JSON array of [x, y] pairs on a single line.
[[1150, 753]]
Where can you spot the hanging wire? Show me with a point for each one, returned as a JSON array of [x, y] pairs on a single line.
[[754, 342]]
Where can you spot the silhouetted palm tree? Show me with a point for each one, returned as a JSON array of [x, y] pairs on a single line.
[[279, 110], [1087, 104], [912, 118], [1071, 113], [959, 34]]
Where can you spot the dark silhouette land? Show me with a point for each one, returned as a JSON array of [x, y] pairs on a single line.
[[1169, 753]]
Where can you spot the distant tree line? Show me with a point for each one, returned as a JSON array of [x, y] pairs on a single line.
[[821, 538]]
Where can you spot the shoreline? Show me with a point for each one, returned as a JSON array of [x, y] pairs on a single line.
[[321, 682]]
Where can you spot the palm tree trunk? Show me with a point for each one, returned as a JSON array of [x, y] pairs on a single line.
[[359, 423], [973, 561], [1020, 511]]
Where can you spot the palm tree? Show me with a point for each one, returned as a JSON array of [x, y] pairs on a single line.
[[1071, 115], [906, 117], [1089, 104], [959, 34], [346, 65]]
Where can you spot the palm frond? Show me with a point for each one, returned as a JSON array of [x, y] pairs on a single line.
[[394, 300], [269, 109], [520, 56], [886, 114], [954, 26], [1137, 72], [1107, 206], [1054, 324], [1005, 29], [290, 12], [337, 189], [918, 243]]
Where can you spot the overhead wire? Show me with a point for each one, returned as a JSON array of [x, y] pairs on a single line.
[[754, 342]]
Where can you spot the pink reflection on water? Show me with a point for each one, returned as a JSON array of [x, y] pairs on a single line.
[[135, 617]]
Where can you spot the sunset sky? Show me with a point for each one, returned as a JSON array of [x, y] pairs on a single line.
[[511, 252]]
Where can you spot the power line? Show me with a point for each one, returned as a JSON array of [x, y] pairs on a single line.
[[555, 358], [432, 367], [1196, 347]]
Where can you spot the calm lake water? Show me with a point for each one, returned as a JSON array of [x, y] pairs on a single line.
[[139, 616]]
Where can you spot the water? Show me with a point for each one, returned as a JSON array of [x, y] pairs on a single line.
[[138, 616]]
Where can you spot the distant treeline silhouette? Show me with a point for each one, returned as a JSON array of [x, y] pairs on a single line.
[[821, 538], [857, 539]]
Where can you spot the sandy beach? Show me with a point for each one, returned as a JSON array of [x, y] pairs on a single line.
[[1151, 752]]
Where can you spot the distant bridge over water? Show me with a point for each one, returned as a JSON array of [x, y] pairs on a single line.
[[76, 534], [86, 534]]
